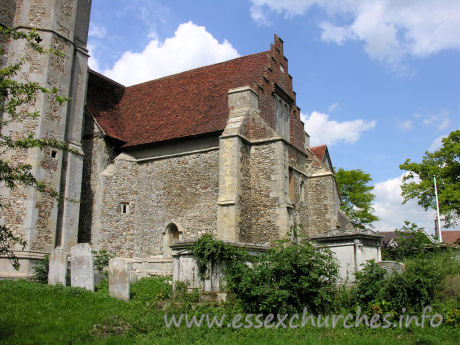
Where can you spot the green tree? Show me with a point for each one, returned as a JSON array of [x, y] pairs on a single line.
[[16, 101], [445, 165], [356, 196]]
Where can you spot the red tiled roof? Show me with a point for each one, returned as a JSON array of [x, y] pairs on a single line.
[[186, 104], [102, 100], [319, 151], [450, 236]]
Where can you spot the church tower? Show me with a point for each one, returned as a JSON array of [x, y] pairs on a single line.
[[42, 221]]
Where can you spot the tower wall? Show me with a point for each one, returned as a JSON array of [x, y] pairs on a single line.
[[38, 218]]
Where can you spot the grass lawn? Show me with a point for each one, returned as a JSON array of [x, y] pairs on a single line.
[[32, 313]]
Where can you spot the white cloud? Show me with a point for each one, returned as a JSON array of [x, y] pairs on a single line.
[[405, 125], [329, 132], [389, 29], [332, 107], [97, 31], [440, 121], [190, 47], [93, 63], [437, 143], [392, 213], [336, 34]]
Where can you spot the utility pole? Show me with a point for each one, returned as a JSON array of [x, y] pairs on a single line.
[[437, 208]]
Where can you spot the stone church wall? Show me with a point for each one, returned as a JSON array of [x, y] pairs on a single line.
[[182, 190], [98, 155], [301, 204], [259, 205], [323, 204]]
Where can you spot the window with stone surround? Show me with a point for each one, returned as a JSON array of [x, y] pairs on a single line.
[[124, 207], [281, 117], [302, 191]]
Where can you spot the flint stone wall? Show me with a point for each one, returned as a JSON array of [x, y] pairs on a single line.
[[182, 190], [259, 214]]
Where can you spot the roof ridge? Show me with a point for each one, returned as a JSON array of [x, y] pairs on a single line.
[[196, 69], [106, 78]]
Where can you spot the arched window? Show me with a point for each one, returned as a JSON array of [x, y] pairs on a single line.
[[171, 236], [302, 191]]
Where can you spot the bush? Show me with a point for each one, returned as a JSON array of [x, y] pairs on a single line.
[[411, 242], [368, 283], [420, 285], [101, 259], [41, 270], [151, 290], [287, 278]]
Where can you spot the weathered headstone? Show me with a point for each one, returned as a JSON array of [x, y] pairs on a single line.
[[119, 279], [57, 266], [82, 266], [392, 267]]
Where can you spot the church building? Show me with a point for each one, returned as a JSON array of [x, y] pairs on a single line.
[[217, 150]]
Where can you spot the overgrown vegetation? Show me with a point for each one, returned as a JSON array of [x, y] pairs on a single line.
[[423, 283], [294, 275], [411, 242], [208, 251], [41, 270], [101, 259], [56, 315], [286, 278]]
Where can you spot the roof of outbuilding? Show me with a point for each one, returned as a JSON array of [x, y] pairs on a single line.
[[191, 103], [450, 236]]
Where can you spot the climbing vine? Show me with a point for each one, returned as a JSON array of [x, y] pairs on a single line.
[[208, 250]]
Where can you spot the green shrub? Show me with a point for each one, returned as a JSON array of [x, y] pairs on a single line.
[[151, 290], [368, 283], [287, 278], [41, 270], [101, 259], [421, 284], [411, 242]]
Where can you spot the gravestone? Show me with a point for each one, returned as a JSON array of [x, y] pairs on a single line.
[[119, 279], [82, 266], [57, 266]]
